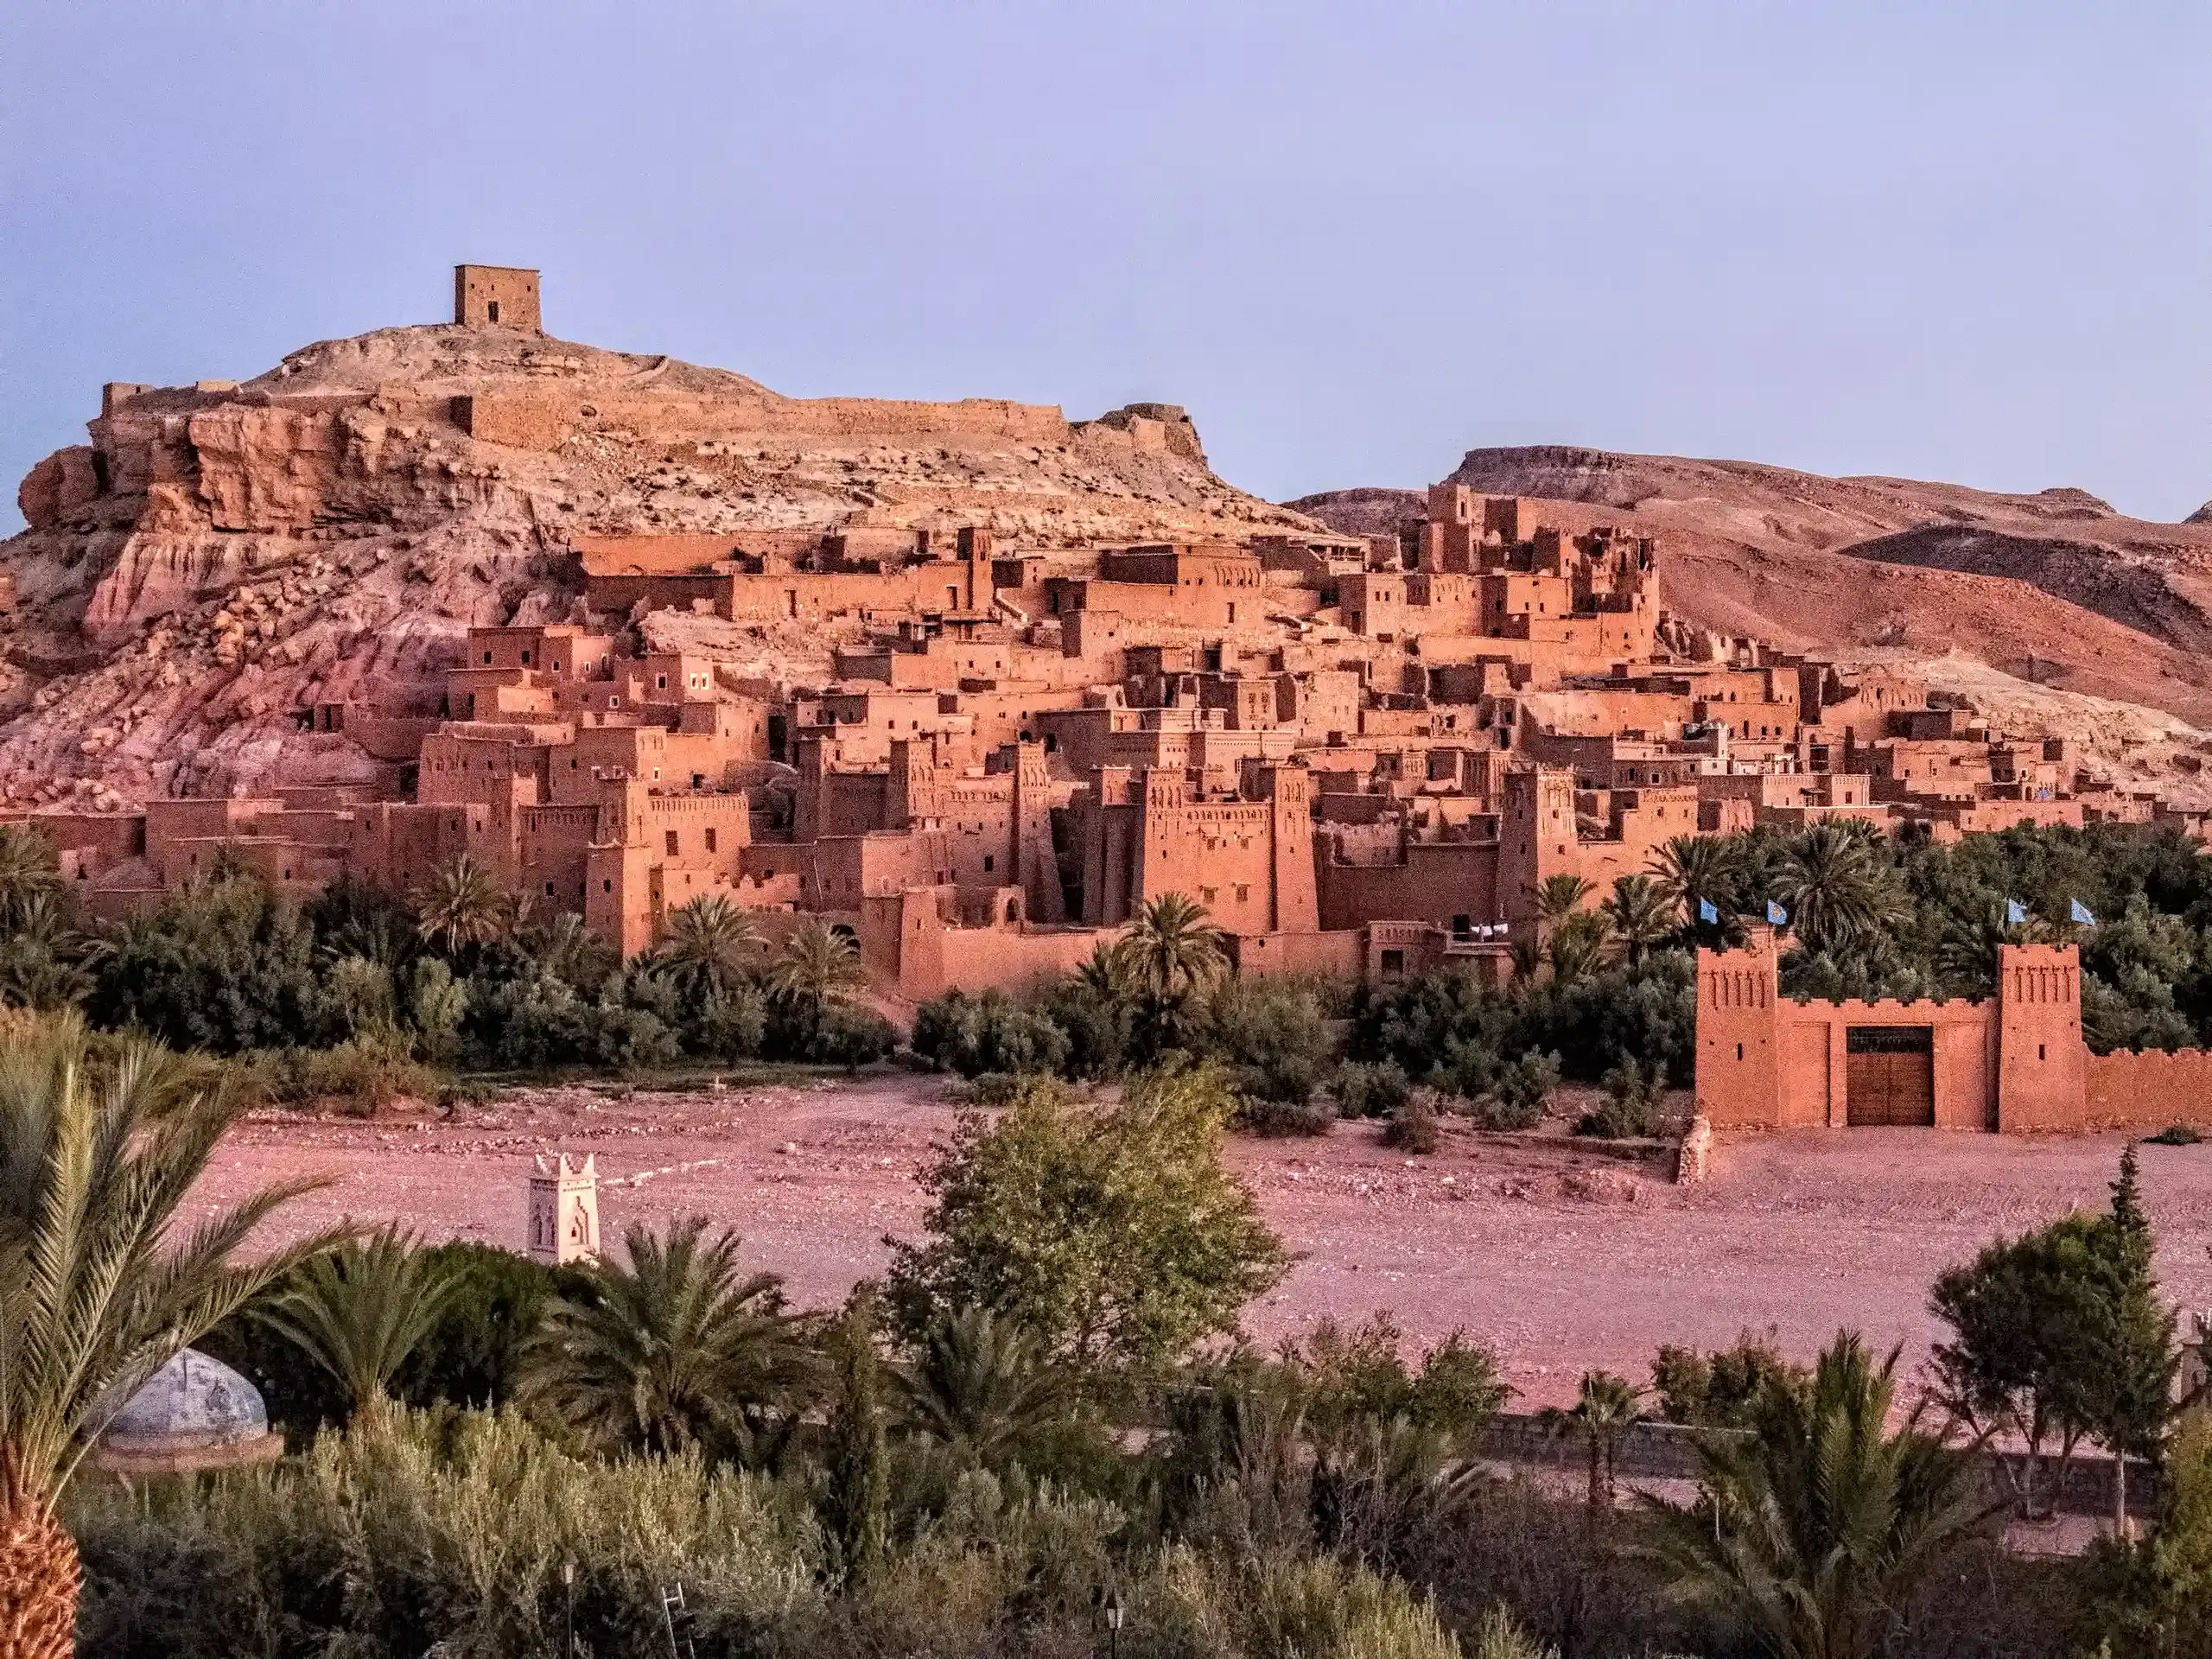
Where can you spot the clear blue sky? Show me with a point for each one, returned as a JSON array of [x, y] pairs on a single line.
[[1963, 242]]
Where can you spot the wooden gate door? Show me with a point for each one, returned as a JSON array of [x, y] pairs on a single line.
[[1890, 1079]]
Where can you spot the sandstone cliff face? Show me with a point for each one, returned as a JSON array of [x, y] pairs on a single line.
[[217, 562]]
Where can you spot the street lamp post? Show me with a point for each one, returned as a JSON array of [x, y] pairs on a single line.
[[1112, 1612], [569, 1595]]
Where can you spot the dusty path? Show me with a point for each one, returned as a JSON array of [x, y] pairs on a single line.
[[1557, 1256]]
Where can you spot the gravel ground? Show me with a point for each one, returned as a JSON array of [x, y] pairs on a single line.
[[1557, 1254]]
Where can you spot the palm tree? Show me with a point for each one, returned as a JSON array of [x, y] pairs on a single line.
[[358, 1311], [1577, 948], [97, 1291], [1638, 914], [1838, 888], [29, 871], [817, 964], [1695, 870], [675, 1351], [1559, 897], [983, 1385], [462, 905], [1171, 950], [710, 946], [1105, 975], [1815, 1527], [565, 948], [1605, 1410], [1967, 954], [39, 956]]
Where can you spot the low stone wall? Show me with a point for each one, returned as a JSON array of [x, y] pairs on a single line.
[[518, 421], [1656, 1450], [1328, 956], [2149, 1091]]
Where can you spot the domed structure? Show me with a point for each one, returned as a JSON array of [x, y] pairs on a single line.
[[194, 1413]]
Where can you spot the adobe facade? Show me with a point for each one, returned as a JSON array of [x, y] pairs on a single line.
[[1363, 756], [2014, 1063]]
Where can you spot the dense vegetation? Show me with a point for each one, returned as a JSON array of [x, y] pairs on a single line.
[[1603, 990], [359, 991], [364, 995], [1046, 1414]]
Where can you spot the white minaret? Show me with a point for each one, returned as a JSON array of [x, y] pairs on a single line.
[[564, 1211]]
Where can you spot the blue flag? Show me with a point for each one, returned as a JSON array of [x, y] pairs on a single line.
[[2078, 911], [1707, 911], [1775, 915], [2016, 913]]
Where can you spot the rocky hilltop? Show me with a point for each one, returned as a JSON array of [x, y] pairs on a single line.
[[2056, 589], [220, 559]]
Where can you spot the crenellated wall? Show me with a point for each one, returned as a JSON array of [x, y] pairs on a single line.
[[2014, 1063], [2148, 1091]]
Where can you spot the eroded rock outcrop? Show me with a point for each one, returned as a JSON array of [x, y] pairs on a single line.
[[220, 561]]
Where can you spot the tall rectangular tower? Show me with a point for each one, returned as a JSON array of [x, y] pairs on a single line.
[[2042, 1065], [1740, 1078], [496, 296]]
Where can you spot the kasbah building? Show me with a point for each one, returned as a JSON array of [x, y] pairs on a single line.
[[1364, 757]]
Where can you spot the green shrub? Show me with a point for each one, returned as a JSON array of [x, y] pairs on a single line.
[[1630, 1108], [409, 1531], [1450, 1027], [2174, 1134], [1369, 1089], [363, 1075], [413, 1533], [972, 1035], [1258, 1114], [224, 966], [473, 1354], [1314, 1607], [437, 1004], [1361, 1376], [1273, 1034], [729, 1026], [1467, 1071], [1096, 1025], [847, 1034], [1720, 1389], [992, 1090], [1416, 1127], [1524, 1090], [542, 1021], [1117, 1235]]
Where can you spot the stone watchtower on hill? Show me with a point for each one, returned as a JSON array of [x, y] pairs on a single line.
[[496, 296]]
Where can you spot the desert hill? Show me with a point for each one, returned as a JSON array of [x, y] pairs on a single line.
[[2054, 590], [224, 557]]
